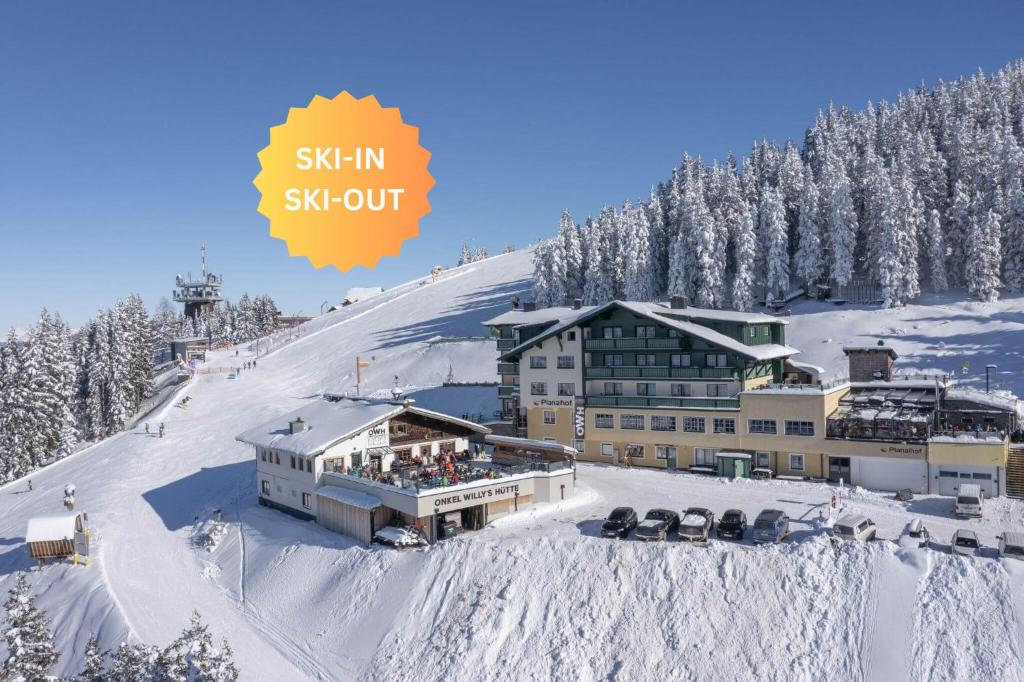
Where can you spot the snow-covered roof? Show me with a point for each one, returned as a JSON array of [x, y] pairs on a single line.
[[807, 367], [362, 293], [331, 421], [49, 528], [352, 498], [719, 315], [660, 312], [870, 349], [557, 314], [1003, 400], [529, 444], [733, 455]]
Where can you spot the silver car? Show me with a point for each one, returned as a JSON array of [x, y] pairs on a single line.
[[965, 542]]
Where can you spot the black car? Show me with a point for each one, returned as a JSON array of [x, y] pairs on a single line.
[[733, 524], [619, 523], [657, 525]]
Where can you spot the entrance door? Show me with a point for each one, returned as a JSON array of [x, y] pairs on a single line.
[[473, 518], [839, 467], [670, 458], [742, 469]]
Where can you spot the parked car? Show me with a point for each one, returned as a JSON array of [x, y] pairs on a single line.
[[915, 535], [1011, 546], [855, 527], [771, 525], [657, 525], [696, 524], [733, 524], [968, 501], [619, 523], [965, 542]]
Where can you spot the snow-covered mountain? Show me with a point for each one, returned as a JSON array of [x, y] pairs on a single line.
[[537, 595]]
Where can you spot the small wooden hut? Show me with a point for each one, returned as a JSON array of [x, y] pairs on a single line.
[[53, 537]]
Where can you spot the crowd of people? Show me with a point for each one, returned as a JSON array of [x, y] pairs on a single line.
[[446, 468]]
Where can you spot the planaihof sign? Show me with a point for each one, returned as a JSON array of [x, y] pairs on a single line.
[[545, 402], [902, 450], [579, 418], [495, 492]]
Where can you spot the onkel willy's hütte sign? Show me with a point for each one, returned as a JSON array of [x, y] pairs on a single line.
[[344, 181]]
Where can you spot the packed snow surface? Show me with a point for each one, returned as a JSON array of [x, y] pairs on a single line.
[[537, 595]]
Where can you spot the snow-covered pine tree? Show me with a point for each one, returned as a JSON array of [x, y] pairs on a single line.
[[133, 663], [841, 221], [572, 255], [465, 255], [982, 266], [791, 184], [120, 398], [703, 248], [744, 253], [15, 420], [30, 649], [481, 254], [936, 253], [661, 239], [1013, 258], [809, 255], [192, 656], [958, 234], [608, 222], [50, 370], [678, 276], [97, 370], [772, 218], [542, 275], [599, 287], [93, 663], [638, 271], [508, 248]]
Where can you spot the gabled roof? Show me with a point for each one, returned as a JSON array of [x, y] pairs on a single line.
[[870, 349], [332, 421], [670, 317], [519, 318]]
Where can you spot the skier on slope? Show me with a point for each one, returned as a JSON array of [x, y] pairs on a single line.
[[30, 485], [147, 428], [161, 429]]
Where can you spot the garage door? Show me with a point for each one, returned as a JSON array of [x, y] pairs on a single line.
[[890, 473], [950, 478]]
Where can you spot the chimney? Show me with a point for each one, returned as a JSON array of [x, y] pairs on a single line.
[[577, 303], [678, 302], [529, 306], [871, 363], [296, 425]]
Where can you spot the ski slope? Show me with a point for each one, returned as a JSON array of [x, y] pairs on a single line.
[[537, 595]]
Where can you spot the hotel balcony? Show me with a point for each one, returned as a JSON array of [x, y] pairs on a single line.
[[656, 401], [632, 372], [508, 368], [505, 391], [633, 344], [506, 344]]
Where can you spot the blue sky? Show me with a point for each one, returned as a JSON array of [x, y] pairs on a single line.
[[129, 132]]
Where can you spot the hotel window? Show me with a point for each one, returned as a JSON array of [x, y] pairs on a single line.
[[571, 335], [704, 457], [566, 389], [763, 460], [264, 487], [579, 445], [293, 461], [538, 388], [663, 423], [632, 422], [647, 389], [724, 425], [613, 388], [612, 332], [566, 362], [680, 359], [515, 379], [263, 454], [636, 451], [665, 451], [682, 390], [762, 426], [799, 428], [693, 424], [549, 416], [309, 466], [307, 500], [674, 334], [715, 359], [538, 362], [796, 462], [645, 332], [646, 360], [607, 449], [604, 421], [277, 457], [718, 390], [613, 360]]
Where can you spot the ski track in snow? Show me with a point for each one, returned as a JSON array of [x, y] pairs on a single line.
[[537, 595]]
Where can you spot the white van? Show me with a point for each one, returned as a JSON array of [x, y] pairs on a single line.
[[968, 500], [855, 527]]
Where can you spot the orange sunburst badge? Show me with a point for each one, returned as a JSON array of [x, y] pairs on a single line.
[[344, 181]]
